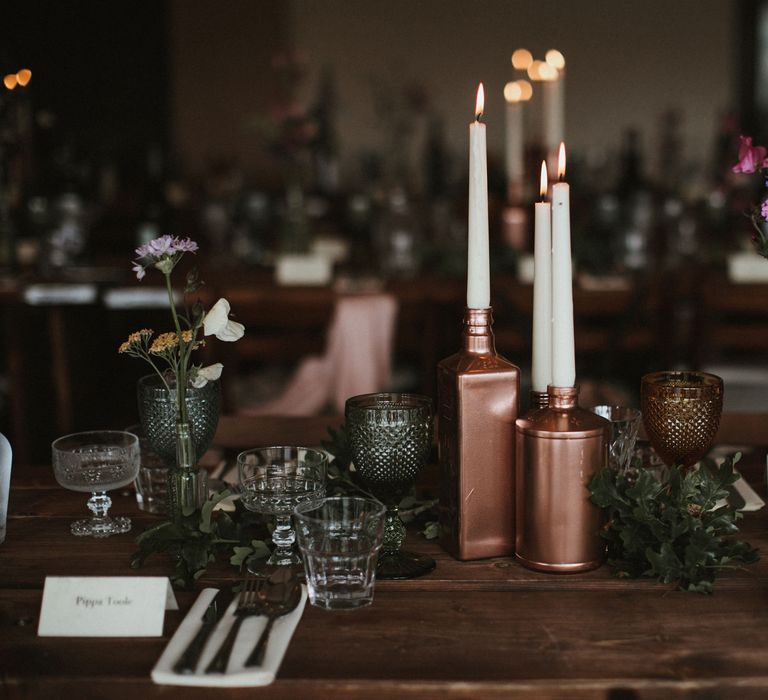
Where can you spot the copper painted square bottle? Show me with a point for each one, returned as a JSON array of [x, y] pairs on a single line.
[[478, 401]]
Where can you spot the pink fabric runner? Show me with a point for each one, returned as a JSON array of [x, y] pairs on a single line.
[[357, 360]]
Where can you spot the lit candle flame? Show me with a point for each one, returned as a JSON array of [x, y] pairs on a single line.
[[526, 90], [543, 181], [480, 103], [24, 76], [561, 162], [10, 81], [513, 92], [555, 59], [521, 59], [534, 70], [547, 72]]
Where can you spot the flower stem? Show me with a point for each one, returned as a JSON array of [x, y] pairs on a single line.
[[181, 367]]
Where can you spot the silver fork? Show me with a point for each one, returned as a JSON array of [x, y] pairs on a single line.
[[273, 607], [247, 604]]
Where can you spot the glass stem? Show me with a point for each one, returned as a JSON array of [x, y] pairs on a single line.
[[283, 536], [99, 504], [394, 531]]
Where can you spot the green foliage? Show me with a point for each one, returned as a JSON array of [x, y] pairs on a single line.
[[677, 529], [339, 448], [200, 538]]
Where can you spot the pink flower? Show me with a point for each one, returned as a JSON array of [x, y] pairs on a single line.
[[163, 253], [764, 209], [751, 158], [166, 246]]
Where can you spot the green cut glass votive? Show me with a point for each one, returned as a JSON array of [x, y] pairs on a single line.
[[158, 416]]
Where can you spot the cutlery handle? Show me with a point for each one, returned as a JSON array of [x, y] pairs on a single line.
[[187, 662], [257, 655], [221, 660]]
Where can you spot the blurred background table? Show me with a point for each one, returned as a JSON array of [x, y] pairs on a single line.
[[642, 324]]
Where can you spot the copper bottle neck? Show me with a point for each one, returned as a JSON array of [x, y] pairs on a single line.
[[562, 397], [476, 332]]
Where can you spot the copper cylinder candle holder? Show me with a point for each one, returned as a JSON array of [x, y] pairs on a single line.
[[559, 449], [478, 398]]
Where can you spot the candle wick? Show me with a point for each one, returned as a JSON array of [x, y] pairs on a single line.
[[477, 117]]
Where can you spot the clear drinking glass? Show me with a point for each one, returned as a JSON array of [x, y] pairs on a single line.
[[152, 480], [96, 462], [339, 539], [273, 481], [390, 438], [625, 422]]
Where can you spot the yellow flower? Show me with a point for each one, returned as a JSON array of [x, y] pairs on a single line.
[[168, 341], [135, 339], [163, 342]]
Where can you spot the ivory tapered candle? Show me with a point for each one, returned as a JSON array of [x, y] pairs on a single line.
[[563, 351], [478, 264], [553, 74], [541, 363], [513, 141]]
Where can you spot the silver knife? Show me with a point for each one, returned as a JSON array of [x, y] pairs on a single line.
[[187, 662]]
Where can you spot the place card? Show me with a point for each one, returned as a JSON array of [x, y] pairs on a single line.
[[105, 606]]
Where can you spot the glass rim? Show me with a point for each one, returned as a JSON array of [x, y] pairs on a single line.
[[302, 510], [107, 431], [404, 400], [631, 412], [695, 379], [253, 450], [152, 382], [690, 383]]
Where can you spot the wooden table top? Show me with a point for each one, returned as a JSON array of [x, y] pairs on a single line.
[[476, 629]]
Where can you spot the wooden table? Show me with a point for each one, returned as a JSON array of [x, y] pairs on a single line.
[[487, 629]]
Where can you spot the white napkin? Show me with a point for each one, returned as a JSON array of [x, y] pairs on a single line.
[[752, 501], [237, 676]]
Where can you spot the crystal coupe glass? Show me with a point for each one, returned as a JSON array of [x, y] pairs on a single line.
[[390, 438], [96, 462], [273, 481], [681, 414]]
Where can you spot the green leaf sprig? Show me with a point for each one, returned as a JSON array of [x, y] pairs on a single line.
[[199, 539], [677, 529]]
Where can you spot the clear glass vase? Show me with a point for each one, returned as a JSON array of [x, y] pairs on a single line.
[[187, 483], [158, 416], [180, 444]]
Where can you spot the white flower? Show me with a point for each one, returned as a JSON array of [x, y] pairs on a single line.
[[216, 322], [206, 374]]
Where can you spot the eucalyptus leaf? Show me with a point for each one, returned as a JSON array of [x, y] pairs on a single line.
[[207, 509]]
